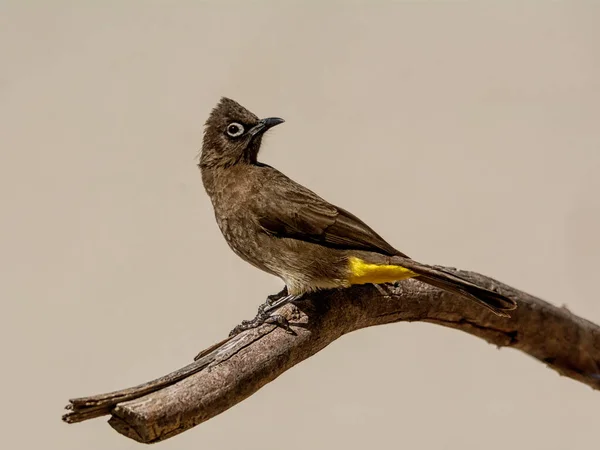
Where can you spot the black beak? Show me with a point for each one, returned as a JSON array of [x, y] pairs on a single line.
[[264, 125]]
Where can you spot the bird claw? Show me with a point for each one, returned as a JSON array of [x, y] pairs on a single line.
[[263, 317], [260, 319], [280, 321]]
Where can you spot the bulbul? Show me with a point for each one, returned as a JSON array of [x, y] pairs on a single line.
[[287, 230]]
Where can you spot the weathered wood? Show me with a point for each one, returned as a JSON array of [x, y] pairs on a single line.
[[234, 369]]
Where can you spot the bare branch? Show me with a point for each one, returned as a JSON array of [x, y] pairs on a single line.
[[234, 369]]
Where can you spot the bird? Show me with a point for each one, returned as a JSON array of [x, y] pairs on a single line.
[[287, 230]]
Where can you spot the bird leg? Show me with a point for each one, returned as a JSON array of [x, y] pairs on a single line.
[[273, 303], [382, 291], [271, 299]]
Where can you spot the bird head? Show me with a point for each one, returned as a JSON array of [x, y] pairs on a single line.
[[233, 134]]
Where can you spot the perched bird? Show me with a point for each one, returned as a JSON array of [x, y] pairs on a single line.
[[285, 229]]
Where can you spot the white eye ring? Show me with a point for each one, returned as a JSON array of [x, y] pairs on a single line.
[[235, 129]]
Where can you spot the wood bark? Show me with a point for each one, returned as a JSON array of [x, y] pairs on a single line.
[[230, 371]]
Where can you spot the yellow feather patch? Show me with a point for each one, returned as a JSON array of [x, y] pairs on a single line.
[[362, 272]]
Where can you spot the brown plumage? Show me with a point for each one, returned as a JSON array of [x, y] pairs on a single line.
[[289, 231]]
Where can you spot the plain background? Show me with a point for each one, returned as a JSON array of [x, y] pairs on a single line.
[[467, 134]]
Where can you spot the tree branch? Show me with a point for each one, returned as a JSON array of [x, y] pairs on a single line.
[[232, 370]]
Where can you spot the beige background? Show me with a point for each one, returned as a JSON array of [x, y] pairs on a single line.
[[467, 134]]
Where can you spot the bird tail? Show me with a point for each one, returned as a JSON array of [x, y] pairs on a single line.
[[443, 279]]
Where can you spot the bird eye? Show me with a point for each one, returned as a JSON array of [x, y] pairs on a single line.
[[235, 129]]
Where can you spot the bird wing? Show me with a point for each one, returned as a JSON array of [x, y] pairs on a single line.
[[287, 209]]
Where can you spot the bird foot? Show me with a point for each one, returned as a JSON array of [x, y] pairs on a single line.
[[271, 304], [271, 299], [261, 318], [385, 290]]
